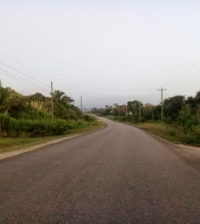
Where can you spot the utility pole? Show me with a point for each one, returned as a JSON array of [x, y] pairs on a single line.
[[0, 90], [162, 102], [139, 113], [126, 110], [152, 114], [52, 102], [81, 104]]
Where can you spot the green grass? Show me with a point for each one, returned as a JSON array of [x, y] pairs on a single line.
[[158, 128], [12, 144], [171, 133], [174, 134], [162, 130]]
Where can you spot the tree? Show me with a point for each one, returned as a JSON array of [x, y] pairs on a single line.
[[108, 110], [37, 97], [62, 106], [11, 101], [173, 106], [134, 106], [61, 97]]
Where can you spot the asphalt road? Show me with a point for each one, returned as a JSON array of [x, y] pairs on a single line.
[[117, 175]]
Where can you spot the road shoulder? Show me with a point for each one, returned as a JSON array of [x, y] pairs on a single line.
[[36, 146], [190, 154]]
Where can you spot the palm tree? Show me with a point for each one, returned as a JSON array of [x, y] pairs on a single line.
[[61, 97]]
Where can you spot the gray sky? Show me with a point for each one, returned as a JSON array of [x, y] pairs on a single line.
[[107, 51]]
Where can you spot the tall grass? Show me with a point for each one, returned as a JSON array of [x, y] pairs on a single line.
[[11, 127], [173, 133]]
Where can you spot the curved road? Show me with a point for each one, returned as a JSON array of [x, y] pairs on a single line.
[[117, 175]]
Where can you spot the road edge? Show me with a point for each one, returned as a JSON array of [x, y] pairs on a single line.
[[11, 154], [179, 145]]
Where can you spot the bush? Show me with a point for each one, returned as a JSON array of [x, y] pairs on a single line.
[[89, 118], [5, 123], [34, 114], [20, 127], [189, 139]]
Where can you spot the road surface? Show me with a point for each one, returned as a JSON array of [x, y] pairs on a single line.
[[117, 175]]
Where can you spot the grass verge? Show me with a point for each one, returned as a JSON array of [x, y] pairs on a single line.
[[13, 144], [162, 130], [171, 133]]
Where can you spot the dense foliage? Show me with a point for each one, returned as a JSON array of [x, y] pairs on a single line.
[[181, 115], [32, 115]]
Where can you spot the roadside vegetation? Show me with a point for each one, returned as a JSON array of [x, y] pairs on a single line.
[[27, 120], [181, 123], [8, 144]]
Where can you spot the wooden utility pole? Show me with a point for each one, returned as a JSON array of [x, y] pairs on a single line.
[[81, 104], [126, 108], [0, 89], [52, 102], [139, 113], [198, 116], [152, 113], [162, 102]]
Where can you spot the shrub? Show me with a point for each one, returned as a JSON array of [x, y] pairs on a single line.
[[21, 127], [89, 118], [189, 139], [5, 121]]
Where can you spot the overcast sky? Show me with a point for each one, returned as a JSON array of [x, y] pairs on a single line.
[[107, 51]]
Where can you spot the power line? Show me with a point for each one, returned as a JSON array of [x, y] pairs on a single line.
[[52, 117], [178, 83], [18, 78], [81, 104], [184, 73], [19, 75], [179, 79], [19, 62], [24, 74]]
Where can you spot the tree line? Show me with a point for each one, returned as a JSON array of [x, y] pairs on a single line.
[[181, 114], [22, 115]]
